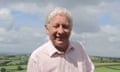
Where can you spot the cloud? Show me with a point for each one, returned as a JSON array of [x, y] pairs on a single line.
[[85, 19], [2, 30], [101, 43], [99, 36], [24, 39], [112, 10], [6, 18], [25, 7]]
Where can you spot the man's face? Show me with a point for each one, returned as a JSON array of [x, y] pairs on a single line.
[[59, 31]]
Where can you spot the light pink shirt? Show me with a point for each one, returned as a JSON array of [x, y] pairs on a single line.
[[48, 59]]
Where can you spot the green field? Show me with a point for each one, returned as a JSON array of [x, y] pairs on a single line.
[[108, 67], [106, 64], [18, 63], [13, 63]]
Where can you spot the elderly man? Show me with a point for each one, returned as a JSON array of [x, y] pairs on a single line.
[[59, 54]]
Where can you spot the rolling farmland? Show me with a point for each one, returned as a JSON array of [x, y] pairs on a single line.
[[18, 63]]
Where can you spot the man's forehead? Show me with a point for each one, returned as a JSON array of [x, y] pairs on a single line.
[[60, 19]]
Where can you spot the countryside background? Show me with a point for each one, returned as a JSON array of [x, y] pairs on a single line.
[[96, 23], [18, 63]]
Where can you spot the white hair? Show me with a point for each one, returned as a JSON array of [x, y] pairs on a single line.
[[59, 11]]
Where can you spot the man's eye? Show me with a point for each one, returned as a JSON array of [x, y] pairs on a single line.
[[56, 26], [66, 26]]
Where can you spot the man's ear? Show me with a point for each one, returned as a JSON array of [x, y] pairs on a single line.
[[46, 29]]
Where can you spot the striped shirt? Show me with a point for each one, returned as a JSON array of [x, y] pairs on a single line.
[[47, 58]]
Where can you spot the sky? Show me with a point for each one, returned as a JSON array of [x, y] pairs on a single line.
[[96, 23]]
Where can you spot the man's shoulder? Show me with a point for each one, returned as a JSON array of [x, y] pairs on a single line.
[[76, 44], [40, 50]]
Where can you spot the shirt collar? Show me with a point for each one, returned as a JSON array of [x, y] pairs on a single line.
[[52, 51]]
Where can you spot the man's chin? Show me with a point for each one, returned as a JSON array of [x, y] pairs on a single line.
[[60, 42]]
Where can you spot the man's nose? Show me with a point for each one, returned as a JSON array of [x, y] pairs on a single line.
[[60, 30]]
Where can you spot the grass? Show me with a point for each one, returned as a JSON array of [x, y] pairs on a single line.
[[100, 67], [102, 64], [21, 71], [14, 68], [107, 67]]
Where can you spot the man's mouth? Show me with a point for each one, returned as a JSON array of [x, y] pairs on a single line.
[[60, 37]]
